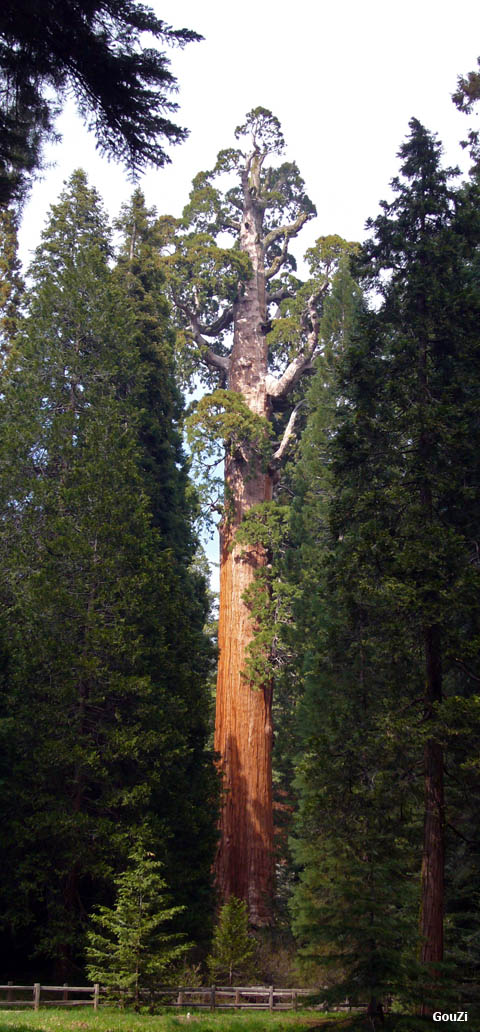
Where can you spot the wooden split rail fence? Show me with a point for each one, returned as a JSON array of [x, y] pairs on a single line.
[[253, 997], [50, 995]]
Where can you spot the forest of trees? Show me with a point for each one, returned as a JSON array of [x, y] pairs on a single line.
[[332, 797]]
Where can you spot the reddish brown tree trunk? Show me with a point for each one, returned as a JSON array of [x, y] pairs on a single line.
[[243, 738], [243, 728], [433, 861], [431, 928]]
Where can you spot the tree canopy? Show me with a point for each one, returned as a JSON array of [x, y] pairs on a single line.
[[387, 506], [102, 614]]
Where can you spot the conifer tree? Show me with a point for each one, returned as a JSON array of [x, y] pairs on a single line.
[[11, 284], [233, 948], [104, 619], [393, 609], [466, 96], [129, 949], [353, 908], [429, 315], [174, 508], [216, 289], [94, 51]]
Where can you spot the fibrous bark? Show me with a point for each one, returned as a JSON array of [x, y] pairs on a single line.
[[433, 860], [253, 211], [243, 726]]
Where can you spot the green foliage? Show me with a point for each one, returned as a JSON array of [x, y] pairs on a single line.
[[376, 569], [225, 416], [292, 325], [11, 284], [204, 277], [327, 253], [218, 425], [233, 948], [140, 275], [122, 88], [129, 949], [263, 129], [269, 596], [465, 97], [104, 618], [202, 274], [353, 908]]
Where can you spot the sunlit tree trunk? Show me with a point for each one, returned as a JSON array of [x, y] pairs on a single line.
[[243, 728], [215, 290]]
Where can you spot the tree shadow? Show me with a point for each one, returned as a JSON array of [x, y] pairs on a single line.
[[245, 862]]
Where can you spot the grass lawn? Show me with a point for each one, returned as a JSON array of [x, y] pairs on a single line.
[[109, 1019], [79, 1019]]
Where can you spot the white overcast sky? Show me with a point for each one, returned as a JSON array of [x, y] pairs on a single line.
[[343, 77]]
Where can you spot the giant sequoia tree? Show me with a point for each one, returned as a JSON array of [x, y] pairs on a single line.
[[217, 290]]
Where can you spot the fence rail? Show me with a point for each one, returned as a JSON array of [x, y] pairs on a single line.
[[252, 997], [35, 993]]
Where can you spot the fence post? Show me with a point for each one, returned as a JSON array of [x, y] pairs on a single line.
[[181, 998], [237, 998], [65, 991], [96, 994], [9, 993], [212, 998], [36, 996], [295, 1001], [270, 998]]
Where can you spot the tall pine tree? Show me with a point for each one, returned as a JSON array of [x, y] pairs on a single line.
[[396, 582], [105, 688]]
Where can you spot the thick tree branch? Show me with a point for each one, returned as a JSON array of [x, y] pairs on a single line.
[[218, 362], [288, 432], [236, 201], [222, 323], [290, 231], [230, 224], [287, 232], [210, 357], [278, 261], [279, 388], [278, 295]]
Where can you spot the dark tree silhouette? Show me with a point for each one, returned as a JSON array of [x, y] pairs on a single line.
[[93, 49]]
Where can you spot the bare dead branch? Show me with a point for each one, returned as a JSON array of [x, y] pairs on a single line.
[[288, 433], [278, 388]]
